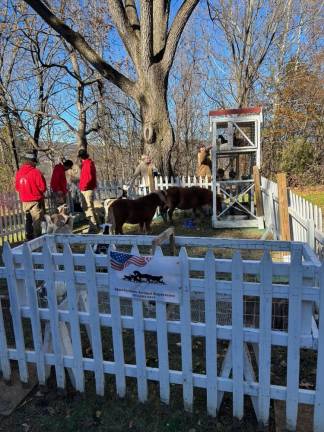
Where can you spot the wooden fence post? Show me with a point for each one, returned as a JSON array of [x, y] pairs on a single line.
[[258, 193], [167, 234], [283, 207], [151, 181]]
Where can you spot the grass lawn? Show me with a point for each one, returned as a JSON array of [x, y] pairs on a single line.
[[313, 194]]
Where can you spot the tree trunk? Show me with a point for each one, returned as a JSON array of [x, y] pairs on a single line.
[[158, 136], [82, 126], [13, 144], [11, 135]]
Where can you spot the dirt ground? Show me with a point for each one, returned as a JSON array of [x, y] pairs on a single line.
[[54, 411]]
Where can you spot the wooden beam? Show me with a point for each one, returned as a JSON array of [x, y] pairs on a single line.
[[167, 234], [283, 207], [258, 193], [151, 180]]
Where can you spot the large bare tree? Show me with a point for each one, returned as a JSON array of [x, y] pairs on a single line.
[[151, 43], [250, 30]]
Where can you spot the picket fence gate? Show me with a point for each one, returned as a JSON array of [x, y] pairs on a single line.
[[306, 220], [246, 270]]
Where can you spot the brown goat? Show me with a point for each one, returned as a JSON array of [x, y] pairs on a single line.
[[193, 197], [138, 211]]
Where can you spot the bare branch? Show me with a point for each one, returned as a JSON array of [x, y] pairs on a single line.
[[124, 28], [93, 129], [175, 32], [79, 43], [45, 114]]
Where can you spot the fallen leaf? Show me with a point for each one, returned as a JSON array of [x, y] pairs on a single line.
[[98, 414]]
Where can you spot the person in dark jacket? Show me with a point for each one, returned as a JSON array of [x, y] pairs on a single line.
[[59, 183], [31, 186], [87, 185]]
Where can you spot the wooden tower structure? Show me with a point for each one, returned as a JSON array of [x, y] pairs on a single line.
[[235, 150]]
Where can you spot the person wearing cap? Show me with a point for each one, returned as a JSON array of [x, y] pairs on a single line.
[[31, 186], [144, 170], [204, 166], [59, 183], [87, 185]]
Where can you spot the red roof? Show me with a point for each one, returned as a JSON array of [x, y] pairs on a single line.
[[237, 111]]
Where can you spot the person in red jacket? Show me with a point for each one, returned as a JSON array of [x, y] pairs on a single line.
[[31, 186], [59, 183], [87, 185]]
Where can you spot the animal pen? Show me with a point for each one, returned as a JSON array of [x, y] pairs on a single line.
[[227, 299], [236, 146]]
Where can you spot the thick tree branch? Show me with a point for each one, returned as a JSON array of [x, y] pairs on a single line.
[[161, 9], [175, 32], [131, 12], [93, 129], [146, 34], [79, 43], [124, 28]]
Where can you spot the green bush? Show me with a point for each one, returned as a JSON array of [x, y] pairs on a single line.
[[297, 157]]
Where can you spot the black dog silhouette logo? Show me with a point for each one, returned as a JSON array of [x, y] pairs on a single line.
[[139, 277]]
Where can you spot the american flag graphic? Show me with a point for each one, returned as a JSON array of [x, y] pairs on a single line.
[[119, 260]]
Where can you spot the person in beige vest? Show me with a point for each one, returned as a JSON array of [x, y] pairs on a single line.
[[204, 167], [145, 170]]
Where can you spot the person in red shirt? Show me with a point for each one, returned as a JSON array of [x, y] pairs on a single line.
[[59, 183], [31, 186], [87, 185]]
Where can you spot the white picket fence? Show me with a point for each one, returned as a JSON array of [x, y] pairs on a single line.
[[214, 283], [12, 219], [306, 220], [108, 189]]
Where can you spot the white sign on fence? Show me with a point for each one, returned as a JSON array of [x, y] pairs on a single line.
[[149, 278]]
